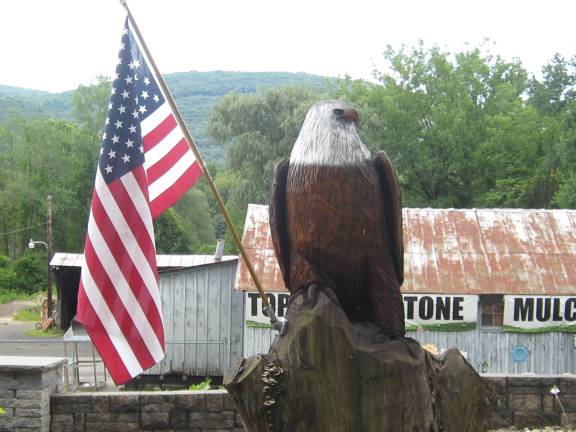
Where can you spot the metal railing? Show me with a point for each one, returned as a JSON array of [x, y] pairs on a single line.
[[72, 375], [86, 369]]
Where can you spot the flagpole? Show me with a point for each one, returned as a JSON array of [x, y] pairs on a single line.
[[276, 323]]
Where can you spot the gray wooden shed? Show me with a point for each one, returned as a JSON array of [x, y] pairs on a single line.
[[203, 314], [203, 319]]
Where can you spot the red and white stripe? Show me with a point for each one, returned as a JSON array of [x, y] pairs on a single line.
[[119, 298], [121, 306], [170, 164]]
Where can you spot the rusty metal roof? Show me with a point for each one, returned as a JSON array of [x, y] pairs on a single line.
[[460, 251], [257, 242], [163, 261]]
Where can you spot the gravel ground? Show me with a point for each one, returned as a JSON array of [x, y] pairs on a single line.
[[7, 310]]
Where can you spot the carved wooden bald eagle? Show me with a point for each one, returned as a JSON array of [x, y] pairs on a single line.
[[336, 219]]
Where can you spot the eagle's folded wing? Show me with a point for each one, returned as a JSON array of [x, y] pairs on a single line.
[[278, 228], [392, 198]]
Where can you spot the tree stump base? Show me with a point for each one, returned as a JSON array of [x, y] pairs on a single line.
[[327, 374]]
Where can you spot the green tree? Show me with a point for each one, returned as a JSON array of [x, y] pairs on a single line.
[[431, 113], [8, 279], [259, 130], [185, 227], [565, 196], [513, 159], [174, 235], [40, 157], [555, 91], [555, 98], [194, 209], [225, 182], [30, 270], [90, 105]]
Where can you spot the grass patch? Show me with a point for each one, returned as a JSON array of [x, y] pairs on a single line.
[[8, 296], [443, 327], [560, 328], [28, 314], [52, 332], [255, 324], [204, 385]]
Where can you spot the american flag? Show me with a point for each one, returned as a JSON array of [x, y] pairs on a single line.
[[145, 166]]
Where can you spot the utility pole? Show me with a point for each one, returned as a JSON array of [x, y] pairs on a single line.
[[49, 254]]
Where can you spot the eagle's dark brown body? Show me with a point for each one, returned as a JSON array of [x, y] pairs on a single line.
[[339, 225]]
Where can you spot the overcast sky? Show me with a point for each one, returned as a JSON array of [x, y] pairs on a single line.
[[56, 45]]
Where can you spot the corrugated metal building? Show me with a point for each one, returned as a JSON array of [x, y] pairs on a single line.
[[511, 271], [203, 314]]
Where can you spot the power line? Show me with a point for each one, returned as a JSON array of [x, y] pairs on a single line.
[[23, 229]]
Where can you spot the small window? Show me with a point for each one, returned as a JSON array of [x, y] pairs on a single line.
[[491, 311]]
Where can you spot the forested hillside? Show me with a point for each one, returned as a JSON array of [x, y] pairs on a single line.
[[195, 93], [49, 145], [29, 103]]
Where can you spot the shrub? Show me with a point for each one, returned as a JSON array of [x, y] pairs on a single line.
[[204, 385], [28, 314], [4, 261], [8, 279], [8, 296], [30, 270]]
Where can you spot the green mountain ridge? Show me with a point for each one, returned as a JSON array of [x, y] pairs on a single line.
[[29, 102], [194, 92]]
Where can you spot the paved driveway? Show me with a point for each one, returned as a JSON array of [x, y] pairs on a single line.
[[15, 342]]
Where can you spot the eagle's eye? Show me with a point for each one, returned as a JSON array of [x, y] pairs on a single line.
[[338, 111]]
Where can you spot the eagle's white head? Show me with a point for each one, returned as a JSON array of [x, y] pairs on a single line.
[[328, 137]]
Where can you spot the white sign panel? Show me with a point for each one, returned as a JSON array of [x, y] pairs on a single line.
[[255, 315], [540, 313], [439, 310]]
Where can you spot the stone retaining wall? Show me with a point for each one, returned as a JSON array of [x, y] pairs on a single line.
[[197, 411], [27, 387], [26, 384], [526, 401]]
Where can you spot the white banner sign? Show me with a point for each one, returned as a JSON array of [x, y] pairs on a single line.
[[540, 313], [439, 310], [459, 312], [255, 316]]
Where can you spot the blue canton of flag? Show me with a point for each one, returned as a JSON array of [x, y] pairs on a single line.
[[134, 97]]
